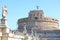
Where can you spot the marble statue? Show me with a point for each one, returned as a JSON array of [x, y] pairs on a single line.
[[4, 12]]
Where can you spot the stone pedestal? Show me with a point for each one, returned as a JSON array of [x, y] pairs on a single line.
[[5, 36]]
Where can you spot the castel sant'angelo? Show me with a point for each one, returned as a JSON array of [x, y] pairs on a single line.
[[37, 20]]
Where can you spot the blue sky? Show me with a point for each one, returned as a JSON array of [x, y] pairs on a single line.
[[20, 9]]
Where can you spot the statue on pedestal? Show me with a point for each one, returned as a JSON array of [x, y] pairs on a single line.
[[4, 12]]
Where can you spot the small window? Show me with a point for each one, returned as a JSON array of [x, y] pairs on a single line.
[[36, 18], [52, 19]]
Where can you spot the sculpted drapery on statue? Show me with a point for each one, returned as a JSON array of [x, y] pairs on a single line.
[[4, 11]]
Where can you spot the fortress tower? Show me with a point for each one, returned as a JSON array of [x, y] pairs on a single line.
[[37, 20]]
